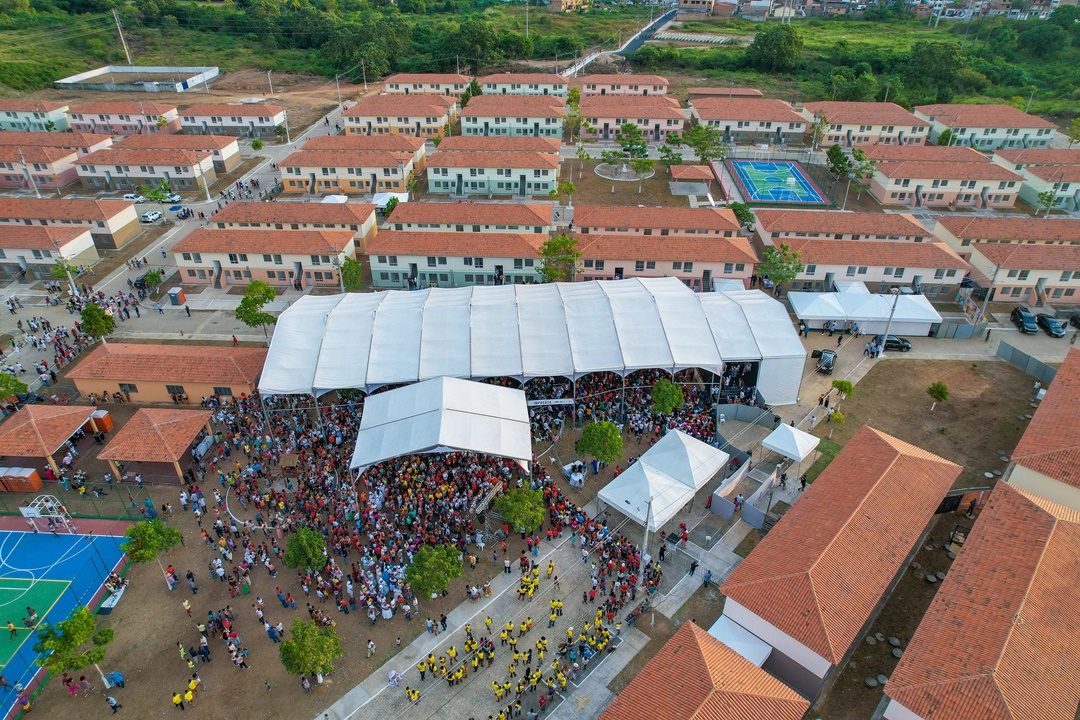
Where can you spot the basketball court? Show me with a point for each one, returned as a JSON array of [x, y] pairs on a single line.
[[776, 182]]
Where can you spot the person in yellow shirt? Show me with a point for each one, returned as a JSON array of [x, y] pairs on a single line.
[[487, 624], [413, 695], [468, 630], [475, 662], [498, 690], [188, 697], [513, 642], [422, 667], [452, 653], [522, 628], [550, 568], [512, 670]]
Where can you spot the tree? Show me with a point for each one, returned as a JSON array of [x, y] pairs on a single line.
[[62, 646], [559, 258], [707, 142], [862, 169], [1072, 132], [1043, 39], [838, 162], [946, 137], [846, 84], [522, 508], [573, 97], [1066, 16], [602, 440], [641, 168], [616, 159], [96, 322], [306, 550], [352, 275], [280, 131], [1046, 199], [566, 188], [154, 277], [632, 140], [256, 144], [584, 156], [844, 387], [147, 539], [250, 311], [743, 213], [9, 385], [780, 264], [668, 156], [390, 205], [932, 70], [819, 130], [311, 650], [432, 568], [939, 392], [775, 50], [667, 397], [62, 270]]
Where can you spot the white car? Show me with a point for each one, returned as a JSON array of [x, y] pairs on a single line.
[[173, 198], [150, 217], [136, 198]]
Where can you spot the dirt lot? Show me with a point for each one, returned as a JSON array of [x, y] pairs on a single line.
[[591, 189]]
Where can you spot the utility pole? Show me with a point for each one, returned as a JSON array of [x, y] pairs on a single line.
[[526, 18], [363, 69], [271, 81], [888, 326], [1028, 106], [337, 84], [29, 175], [206, 188], [127, 52], [986, 298]]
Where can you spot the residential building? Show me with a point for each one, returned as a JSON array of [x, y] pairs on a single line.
[[425, 116], [751, 120], [113, 223], [396, 143], [224, 150], [524, 84], [81, 143], [943, 184], [1044, 461], [695, 676], [124, 118], [246, 120], [568, 5], [813, 586], [1034, 157], [1043, 170], [346, 172], [30, 252], [500, 143], [924, 153], [662, 221], [656, 115], [931, 268], [960, 231], [987, 127], [154, 373], [520, 115], [449, 84], [522, 174], [128, 169], [623, 85], [702, 6], [33, 115], [696, 93], [852, 124], [358, 218], [1032, 274], [453, 259], [472, 217], [698, 262], [236, 257], [773, 227], [45, 168], [998, 640]]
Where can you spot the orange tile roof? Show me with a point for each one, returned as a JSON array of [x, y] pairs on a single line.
[[614, 79], [37, 431], [980, 116], [41, 155], [346, 158], [865, 113], [120, 108], [877, 253], [391, 142], [401, 105], [1001, 639], [692, 172], [1056, 173], [924, 153], [820, 573], [494, 160], [1051, 443], [545, 106], [694, 676], [1040, 156], [725, 92], [652, 107], [38, 237], [472, 213], [967, 227], [478, 244], [296, 212], [139, 156], [1040, 256], [947, 171], [205, 364], [429, 78], [161, 141], [501, 143], [525, 78], [60, 140], [640, 218], [13, 105], [156, 435], [665, 248], [282, 242], [830, 222], [757, 109], [228, 110], [77, 209]]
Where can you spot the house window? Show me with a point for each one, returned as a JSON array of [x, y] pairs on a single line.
[[128, 388], [811, 269], [174, 389], [851, 270], [639, 266], [224, 391], [898, 273], [676, 265]]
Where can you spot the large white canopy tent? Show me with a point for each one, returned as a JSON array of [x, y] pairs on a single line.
[[669, 474], [367, 340], [444, 415], [913, 316], [791, 442]]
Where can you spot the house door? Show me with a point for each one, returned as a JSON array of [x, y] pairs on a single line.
[[603, 91], [24, 265], [311, 183], [374, 183], [217, 273], [536, 128], [779, 137], [486, 128], [369, 127], [251, 129], [521, 186], [417, 128], [606, 130], [457, 187], [298, 275], [618, 273], [412, 270], [499, 275]]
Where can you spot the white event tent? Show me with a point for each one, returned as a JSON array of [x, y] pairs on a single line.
[[913, 316], [367, 340], [668, 475], [444, 415], [791, 442]]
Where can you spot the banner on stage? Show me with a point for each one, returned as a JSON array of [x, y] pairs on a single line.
[[546, 403]]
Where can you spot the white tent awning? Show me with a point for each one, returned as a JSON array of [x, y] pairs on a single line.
[[791, 442]]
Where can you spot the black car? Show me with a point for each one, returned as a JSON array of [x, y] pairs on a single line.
[[1050, 324], [140, 282], [1075, 320], [1024, 320], [826, 361], [894, 343]]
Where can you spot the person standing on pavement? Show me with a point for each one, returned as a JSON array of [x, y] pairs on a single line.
[[112, 703], [159, 310], [187, 310]]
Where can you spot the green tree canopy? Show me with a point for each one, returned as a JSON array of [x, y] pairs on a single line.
[[95, 321], [669, 157], [776, 50], [71, 644], [10, 384], [311, 650], [522, 508], [305, 550], [667, 397], [432, 568], [780, 264], [1043, 39], [642, 167], [938, 391], [250, 311], [707, 142], [602, 440], [844, 387], [838, 162], [819, 130], [632, 140], [559, 258], [352, 274], [743, 213], [154, 277], [932, 70], [1067, 17], [147, 539]]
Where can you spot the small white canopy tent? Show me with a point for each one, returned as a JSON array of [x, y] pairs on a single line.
[[669, 474], [791, 442], [914, 314], [741, 640], [443, 415]]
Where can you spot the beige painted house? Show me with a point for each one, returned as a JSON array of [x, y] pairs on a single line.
[[357, 218], [396, 143], [773, 227], [656, 115], [472, 217], [1022, 273], [346, 172], [30, 252], [449, 84], [501, 143], [942, 184], [660, 221], [128, 169], [524, 84], [250, 120], [960, 231], [124, 118], [1046, 169], [224, 149], [697, 262], [424, 116], [622, 85], [852, 124], [113, 223]]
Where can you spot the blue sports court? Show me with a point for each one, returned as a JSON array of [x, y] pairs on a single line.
[[776, 182]]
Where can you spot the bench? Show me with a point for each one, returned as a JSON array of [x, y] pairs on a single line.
[[111, 601]]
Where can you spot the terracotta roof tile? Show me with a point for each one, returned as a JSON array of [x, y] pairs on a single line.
[[295, 212], [1040, 256], [392, 142], [546, 106], [947, 171], [967, 227], [43, 155], [1056, 173], [877, 253], [346, 158], [228, 110], [494, 160], [38, 237], [756, 109], [819, 574], [162, 141], [172, 363], [865, 113], [979, 116], [472, 213], [924, 153], [500, 143], [14, 105], [120, 108], [478, 244], [694, 676], [724, 92], [282, 242], [525, 78], [652, 107], [405, 105], [139, 156], [156, 435], [692, 172], [37, 431], [1040, 156], [59, 140], [828, 222], [1051, 443], [614, 79], [1001, 639], [666, 248], [428, 78], [640, 218], [78, 209]]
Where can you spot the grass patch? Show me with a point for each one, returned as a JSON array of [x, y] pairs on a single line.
[[828, 450], [780, 507], [748, 543]]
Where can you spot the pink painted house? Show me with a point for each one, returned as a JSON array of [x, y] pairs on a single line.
[[50, 167]]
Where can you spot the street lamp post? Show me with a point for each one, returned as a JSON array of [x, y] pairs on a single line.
[[270, 80], [888, 326], [29, 175]]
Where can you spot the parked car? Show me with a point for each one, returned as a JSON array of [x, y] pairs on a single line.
[[150, 217], [173, 198], [136, 198], [1024, 320], [894, 343], [140, 282], [1075, 321], [826, 361], [1049, 323]]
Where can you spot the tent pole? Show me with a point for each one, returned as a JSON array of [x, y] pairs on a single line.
[[645, 540]]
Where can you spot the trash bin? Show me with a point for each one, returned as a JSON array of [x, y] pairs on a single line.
[[176, 296]]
